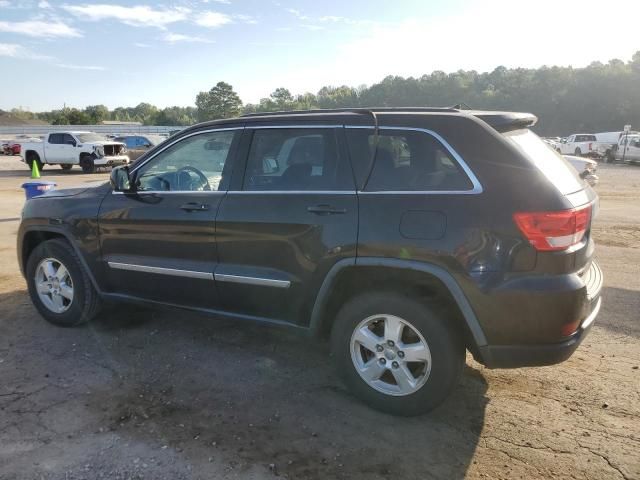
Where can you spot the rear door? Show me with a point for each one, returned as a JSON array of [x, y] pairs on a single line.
[[285, 224], [159, 242]]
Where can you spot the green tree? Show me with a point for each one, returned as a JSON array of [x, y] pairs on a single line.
[[219, 102], [97, 113], [282, 98]]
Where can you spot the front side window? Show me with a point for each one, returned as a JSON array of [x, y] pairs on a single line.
[[56, 139], [292, 159], [68, 139], [405, 160], [197, 163]]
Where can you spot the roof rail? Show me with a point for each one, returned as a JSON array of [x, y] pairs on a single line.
[[363, 111]]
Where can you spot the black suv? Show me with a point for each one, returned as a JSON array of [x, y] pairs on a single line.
[[405, 235]]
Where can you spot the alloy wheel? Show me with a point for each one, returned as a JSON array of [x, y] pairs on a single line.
[[54, 285], [390, 355]]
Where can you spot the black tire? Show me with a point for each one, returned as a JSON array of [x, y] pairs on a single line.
[[578, 152], [86, 163], [66, 166], [444, 342], [85, 303], [34, 157]]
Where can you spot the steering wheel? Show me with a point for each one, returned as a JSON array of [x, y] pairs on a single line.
[[204, 181]]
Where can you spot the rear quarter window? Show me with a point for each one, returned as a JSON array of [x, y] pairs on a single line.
[[406, 160], [553, 165]]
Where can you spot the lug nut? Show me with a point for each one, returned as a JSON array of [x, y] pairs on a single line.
[[401, 354], [390, 343], [383, 361], [379, 348], [395, 365]]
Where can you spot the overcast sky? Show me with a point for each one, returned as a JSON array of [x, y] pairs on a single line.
[[124, 53]]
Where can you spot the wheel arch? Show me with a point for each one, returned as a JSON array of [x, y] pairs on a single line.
[[34, 236], [424, 279]]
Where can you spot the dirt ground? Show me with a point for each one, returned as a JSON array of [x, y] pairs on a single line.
[[172, 395]]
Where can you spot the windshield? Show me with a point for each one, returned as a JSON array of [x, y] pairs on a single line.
[[549, 162], [90, 137]]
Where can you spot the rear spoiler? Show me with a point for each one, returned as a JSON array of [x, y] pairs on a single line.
[[505, 121]]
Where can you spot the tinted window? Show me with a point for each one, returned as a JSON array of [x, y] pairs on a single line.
[[296, 159], [196, 163], [56, 138], [141, 141], [585, 138], [405, 161], [553, 165], [68, 139]]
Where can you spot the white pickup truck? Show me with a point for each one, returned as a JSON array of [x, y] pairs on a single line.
[[628, 149], [578, 144], [86, 149]]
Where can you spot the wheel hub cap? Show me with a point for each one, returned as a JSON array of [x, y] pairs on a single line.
[[54, 285], [390, 355]]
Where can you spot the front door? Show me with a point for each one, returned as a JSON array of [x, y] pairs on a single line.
[[158, 243], [281, 228]]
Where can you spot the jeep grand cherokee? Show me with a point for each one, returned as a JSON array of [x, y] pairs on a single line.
[[404, 235]]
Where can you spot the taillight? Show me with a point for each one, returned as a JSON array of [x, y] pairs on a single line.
[[552, 231]]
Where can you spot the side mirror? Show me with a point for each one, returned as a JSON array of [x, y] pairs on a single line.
[[120, 180], [71, 142], [147, 145]]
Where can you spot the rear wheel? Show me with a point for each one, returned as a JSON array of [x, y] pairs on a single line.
[[396, 353], [578, 152], [59, 287], [87, 164], [34, 157]]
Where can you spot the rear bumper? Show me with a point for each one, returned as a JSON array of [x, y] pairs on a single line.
[[586, 300], [514, 356]]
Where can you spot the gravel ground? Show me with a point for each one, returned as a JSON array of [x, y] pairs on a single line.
[[173, 395]]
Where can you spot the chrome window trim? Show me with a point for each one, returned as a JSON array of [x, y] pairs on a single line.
[[295, 192], [171, 192], [262, 282], [475, 190], [476, 186], [199, 132], [161, 270]]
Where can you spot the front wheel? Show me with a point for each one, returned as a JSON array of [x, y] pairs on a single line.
[[59, 286], [87, 163], [395, 353], [578, 152]]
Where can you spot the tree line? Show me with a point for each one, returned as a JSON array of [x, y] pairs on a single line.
[[599, 97]]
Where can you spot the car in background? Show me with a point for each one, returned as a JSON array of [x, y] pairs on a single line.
[[553, 142], [586, 168], [10, 148], [608, 143], [628, 149], [86, 149], [578, 144], [139, 144]]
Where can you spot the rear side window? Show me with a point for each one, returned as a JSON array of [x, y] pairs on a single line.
[[291, 159], [585, 138], [557, 170], [405, 160]]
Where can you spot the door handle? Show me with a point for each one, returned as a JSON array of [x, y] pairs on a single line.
[[326, 210], [194, 206]]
